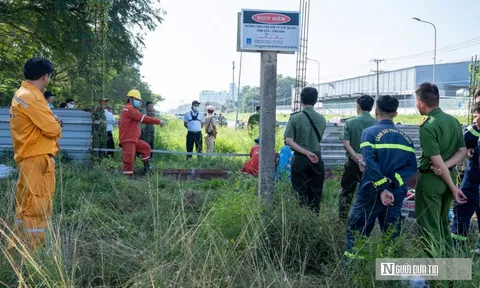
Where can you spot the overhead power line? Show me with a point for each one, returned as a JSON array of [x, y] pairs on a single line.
[[450, 48]]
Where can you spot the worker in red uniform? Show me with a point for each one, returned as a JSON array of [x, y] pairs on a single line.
[[251, 167], [129, 124]]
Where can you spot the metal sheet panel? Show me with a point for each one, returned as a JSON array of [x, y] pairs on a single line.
[[76, 131]]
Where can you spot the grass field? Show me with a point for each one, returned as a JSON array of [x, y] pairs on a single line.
[[108, 231]]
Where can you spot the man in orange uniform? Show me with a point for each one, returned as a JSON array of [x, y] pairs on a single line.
[[129, 124], [35, 131]]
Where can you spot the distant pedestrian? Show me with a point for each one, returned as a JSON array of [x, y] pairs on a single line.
[[210, 129], [254, 120], [350, 136], [443, 147], [99, 133], [303, 134], [194, 122], [63, 105]]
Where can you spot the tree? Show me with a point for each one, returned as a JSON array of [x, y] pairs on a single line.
[[250, 96], [89, 41]]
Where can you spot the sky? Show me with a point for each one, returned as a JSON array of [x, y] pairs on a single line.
[[193, 49]]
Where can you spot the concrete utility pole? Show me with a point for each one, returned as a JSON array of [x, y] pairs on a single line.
[[268, 95], [318, 72], [233, 81], [378, 74]]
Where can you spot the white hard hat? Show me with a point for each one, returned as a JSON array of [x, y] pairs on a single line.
[[210, 108]]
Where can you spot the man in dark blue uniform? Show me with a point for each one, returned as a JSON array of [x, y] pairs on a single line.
[[389, 159], [462, 213]]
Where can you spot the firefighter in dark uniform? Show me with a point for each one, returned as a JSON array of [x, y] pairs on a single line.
[[390, 161], [303, 134], [443, 147], [350, 136], [99, 126], [462, 213]]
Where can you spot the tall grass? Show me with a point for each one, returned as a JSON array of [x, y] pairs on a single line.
[[111, 232]]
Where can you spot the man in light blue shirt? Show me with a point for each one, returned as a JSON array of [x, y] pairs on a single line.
[[194, 121]]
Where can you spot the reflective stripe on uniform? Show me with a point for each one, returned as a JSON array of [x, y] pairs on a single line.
[[35, 230], [25, 105], [388, 146], [352, 256], [473, 131], [380, 182], [127, 172], [145, 159], [459, 237], [143, 117], [399, 179]]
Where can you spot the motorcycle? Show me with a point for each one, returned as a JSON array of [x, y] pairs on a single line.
[[223, 122], [240, 124]]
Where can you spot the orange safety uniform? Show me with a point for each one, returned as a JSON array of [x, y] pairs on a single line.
[[129, 125], [34, 133]]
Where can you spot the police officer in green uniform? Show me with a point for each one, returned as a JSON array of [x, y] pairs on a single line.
[[99, 126], [351, 141], [303, 134], [148, 130], [254, 120], [443, 147]]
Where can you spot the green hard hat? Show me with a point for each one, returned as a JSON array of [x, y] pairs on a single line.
[[103, 98]]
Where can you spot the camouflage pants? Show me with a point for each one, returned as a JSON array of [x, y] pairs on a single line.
[[149, 137], [99, 139]]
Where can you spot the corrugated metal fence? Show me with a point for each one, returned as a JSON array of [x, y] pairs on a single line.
[[77, 137], [333, 153]]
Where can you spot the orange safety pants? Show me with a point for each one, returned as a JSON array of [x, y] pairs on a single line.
[[128, 154], [34, 200]]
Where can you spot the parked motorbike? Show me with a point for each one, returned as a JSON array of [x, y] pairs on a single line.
[[240, 124], [223, 122]]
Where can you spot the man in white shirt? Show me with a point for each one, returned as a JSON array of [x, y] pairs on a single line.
[[194, 122], [110, 119]]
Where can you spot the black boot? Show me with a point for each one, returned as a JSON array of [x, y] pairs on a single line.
[[146, 167]]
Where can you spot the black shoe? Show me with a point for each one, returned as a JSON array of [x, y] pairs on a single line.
[[147, 167]]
